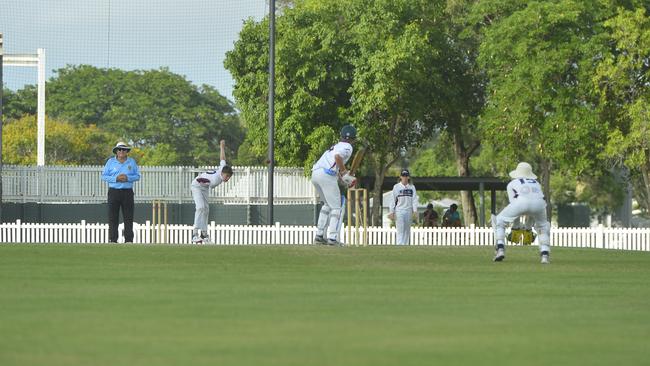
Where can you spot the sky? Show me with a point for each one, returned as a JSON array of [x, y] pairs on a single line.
[[190, 37]]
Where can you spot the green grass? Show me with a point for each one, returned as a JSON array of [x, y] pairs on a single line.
[[306, 305]]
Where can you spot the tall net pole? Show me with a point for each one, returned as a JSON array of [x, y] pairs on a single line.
[[271, 106]]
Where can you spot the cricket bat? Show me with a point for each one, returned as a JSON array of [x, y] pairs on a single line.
[[356, 162]]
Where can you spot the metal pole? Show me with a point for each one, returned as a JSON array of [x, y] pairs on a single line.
[[271, 106], [40, 110], [2, 86]]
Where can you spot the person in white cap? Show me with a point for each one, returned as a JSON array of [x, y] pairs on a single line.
[[404, 207], [120, 172], [526, 199], [200, 188]]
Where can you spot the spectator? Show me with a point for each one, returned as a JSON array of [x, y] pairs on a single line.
[[430, 218], [451, 218], [120, 172]]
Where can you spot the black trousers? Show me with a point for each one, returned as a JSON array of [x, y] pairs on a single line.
[[120, 198]]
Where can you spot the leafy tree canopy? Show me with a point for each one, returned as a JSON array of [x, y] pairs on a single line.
[[380, 65], [66, 143], [540, 59], [18, 104], [376, 64], [171, 120], [622, 81]]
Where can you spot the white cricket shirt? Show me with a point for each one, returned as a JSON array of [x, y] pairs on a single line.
[[213, 177], [524, 188], [404, 198], [327, 161]]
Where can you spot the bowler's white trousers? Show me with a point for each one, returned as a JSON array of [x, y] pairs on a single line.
[[200, 195]]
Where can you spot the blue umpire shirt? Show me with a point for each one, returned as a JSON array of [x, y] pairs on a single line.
[[113, 168]]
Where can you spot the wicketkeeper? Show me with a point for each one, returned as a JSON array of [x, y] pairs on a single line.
[[526, 198]]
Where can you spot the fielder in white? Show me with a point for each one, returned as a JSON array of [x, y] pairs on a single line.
[[526, 198], [324, 176], [404, 208], [200, 187]]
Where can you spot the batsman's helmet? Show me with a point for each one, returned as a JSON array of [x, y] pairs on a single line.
[[348, 132]]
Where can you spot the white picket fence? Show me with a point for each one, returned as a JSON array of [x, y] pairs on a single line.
[[637, 239], [248, 185]]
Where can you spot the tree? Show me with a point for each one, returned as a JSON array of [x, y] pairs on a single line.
[[463, 107], [157, 111], [401, 86], [539, 57], [15, 105], [622, 80], [381, 65], [67, 144], [313, 76]]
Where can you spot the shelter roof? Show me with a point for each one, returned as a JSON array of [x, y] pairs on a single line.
[[443, 183]]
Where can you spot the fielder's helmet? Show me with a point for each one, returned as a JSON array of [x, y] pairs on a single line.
[[348, 132]]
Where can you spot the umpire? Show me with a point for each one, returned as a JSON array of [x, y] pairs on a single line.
[[120, 172]]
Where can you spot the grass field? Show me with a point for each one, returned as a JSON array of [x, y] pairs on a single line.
[[308, 305]]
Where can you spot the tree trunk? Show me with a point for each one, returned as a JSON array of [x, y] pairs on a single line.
[[645, 173], [545, 176], [377, 194], [462, 164]]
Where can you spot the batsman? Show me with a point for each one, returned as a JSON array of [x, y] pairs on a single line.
[[325, 175]]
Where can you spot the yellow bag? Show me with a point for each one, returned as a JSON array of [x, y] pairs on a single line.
[[523, 236]]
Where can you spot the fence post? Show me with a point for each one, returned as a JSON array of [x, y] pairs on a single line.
[[83, 231], [277, 233], [136, 233], [180, 185], [600, 236], [213, 232], [473, 234], [18, 238], [249, 192]]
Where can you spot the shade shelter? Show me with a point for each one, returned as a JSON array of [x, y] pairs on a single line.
[[480, 184]]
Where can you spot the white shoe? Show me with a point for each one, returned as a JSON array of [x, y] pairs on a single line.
[[319, 240], [545, 259], [197, 240], [500, 255]]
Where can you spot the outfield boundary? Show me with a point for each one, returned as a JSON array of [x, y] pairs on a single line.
[[637, 239]]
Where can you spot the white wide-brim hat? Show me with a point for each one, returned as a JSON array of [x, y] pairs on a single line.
[[524, 170], [121, 145]]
